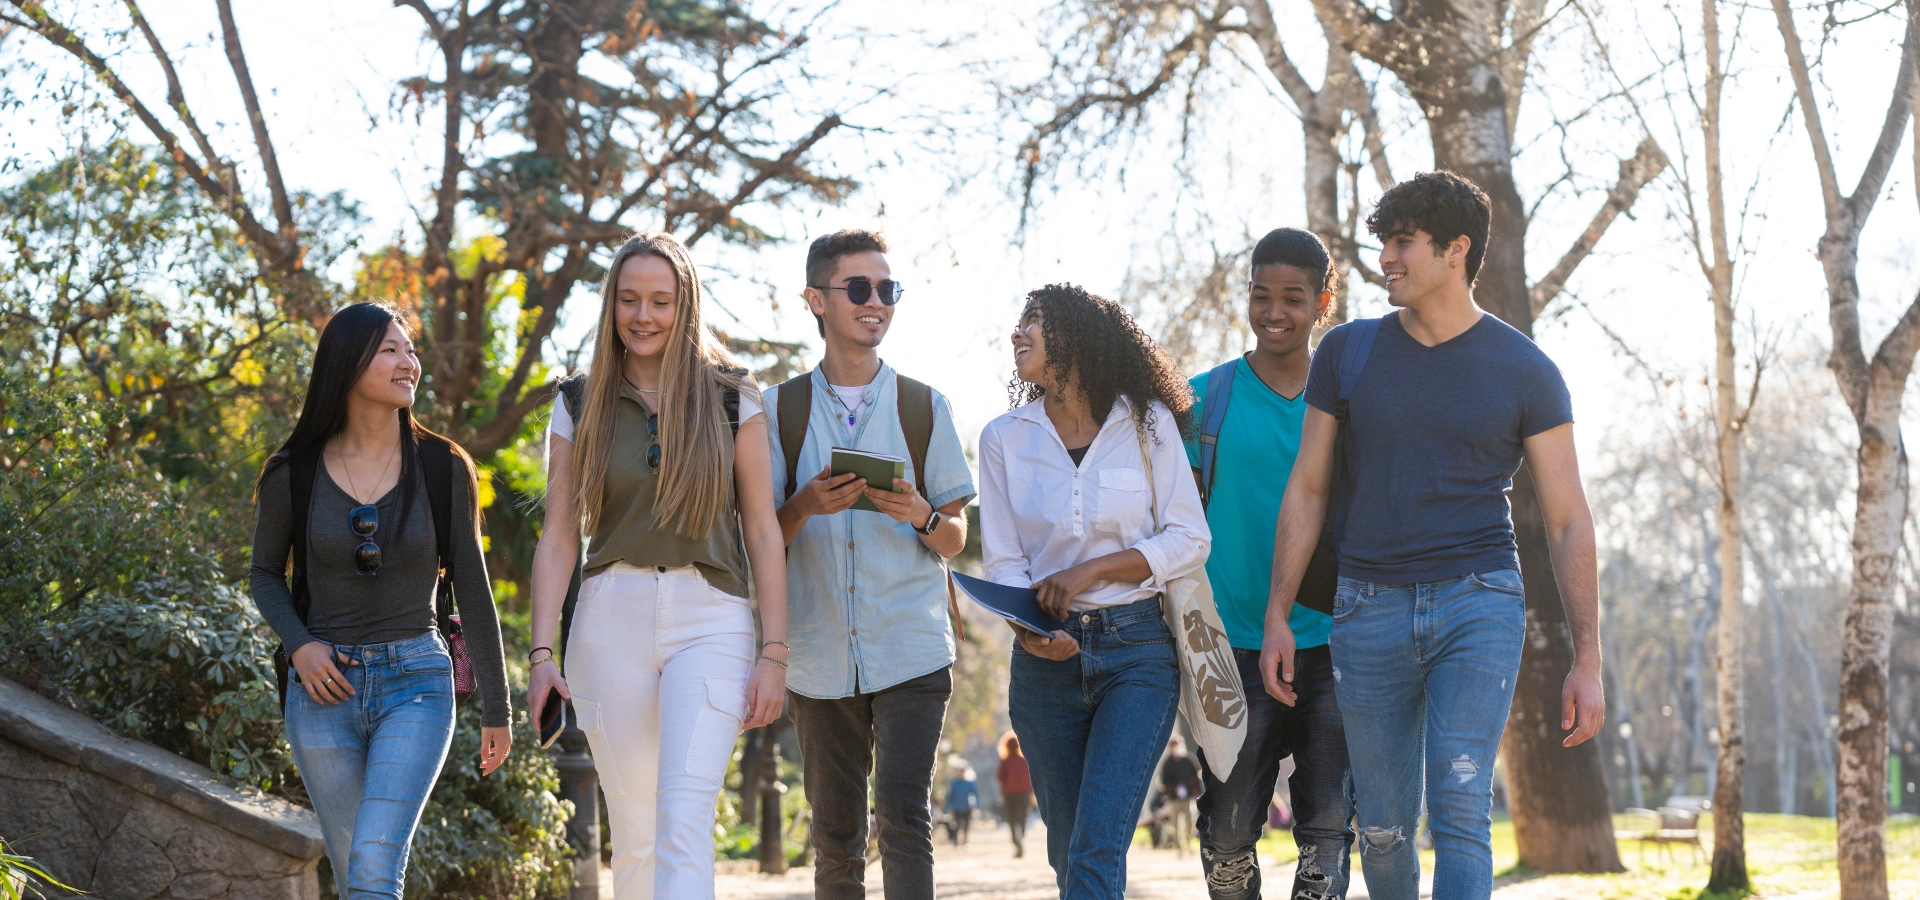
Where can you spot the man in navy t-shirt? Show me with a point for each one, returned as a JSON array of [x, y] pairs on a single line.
[[1430, 616]]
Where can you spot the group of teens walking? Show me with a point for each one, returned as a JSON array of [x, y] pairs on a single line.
[[1347, 506]]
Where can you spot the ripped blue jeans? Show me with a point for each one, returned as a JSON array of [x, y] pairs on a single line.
[[1424, 674]]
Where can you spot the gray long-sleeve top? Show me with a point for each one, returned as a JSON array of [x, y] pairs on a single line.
[[394, 605]]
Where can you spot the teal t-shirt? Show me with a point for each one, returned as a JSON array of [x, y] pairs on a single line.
[[1257, 444]]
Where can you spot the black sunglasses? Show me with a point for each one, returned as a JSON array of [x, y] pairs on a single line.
[[365, 520], [859, 289]]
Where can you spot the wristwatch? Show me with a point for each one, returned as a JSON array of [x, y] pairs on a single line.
[[933, 522]]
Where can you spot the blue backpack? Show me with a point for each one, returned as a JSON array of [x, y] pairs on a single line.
[[1317, 587]]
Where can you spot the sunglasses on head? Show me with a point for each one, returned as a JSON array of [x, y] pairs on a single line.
[[365, 520], [859, 290]]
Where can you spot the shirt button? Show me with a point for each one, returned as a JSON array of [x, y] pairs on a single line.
[[849, 589], [1076, 512], [849, 545], [855, 632]]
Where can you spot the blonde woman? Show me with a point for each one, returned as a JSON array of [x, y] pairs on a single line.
[[666, 474]]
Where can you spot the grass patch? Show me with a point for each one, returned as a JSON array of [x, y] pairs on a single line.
[[1786, 856]]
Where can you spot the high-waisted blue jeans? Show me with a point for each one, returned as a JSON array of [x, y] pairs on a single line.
[[1424, 674], [1092, 727], [370, 761]]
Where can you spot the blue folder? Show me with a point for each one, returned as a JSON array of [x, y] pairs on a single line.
[[1020, 606]]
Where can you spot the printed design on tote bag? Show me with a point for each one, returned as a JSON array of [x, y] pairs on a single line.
[[1220, 698]]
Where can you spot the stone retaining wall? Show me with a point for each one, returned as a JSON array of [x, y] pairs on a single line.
[[125, 820]]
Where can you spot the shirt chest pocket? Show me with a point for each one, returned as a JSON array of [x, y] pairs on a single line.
[[1120, 502]]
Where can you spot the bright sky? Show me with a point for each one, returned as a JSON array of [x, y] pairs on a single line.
[[329, 72]]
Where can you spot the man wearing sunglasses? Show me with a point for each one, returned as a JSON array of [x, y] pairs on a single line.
[[869, 672]]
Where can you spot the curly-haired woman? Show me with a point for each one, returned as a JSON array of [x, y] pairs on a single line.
[[1066, 507], [666, 473]]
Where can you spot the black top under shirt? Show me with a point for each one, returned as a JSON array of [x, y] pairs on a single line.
[[1078, 454]]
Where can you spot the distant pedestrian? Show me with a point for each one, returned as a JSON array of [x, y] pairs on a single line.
[[963, 797], [1180, 783], [1016, 790]]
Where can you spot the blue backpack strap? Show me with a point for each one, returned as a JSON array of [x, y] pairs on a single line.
[[1214, 415], [1353, 359]]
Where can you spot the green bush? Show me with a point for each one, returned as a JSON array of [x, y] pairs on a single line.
[[186, 666]]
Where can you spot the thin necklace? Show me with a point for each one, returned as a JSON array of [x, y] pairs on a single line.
[[636, 387], [349, 470]]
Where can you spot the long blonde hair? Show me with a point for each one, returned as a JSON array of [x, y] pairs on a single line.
[[696, 444]]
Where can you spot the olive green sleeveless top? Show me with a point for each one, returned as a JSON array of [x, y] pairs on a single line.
[[627, 532]]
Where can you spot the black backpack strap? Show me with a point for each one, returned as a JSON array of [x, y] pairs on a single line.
[[437, 463], [796, 409], [300, 474], [915, 402]]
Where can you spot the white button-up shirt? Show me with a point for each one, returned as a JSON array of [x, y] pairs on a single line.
[[1040, 514]]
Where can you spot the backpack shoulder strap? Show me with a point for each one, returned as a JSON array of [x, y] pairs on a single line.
[[300, 474], [437, 464], [915, 402], [573, 392], [796, 408], [1353, 358], [1213, 417]]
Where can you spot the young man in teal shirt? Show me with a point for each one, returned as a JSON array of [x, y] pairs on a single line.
[[1289, 291]]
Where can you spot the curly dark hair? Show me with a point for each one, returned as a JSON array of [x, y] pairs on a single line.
[[1094, 346], [1441, 204]]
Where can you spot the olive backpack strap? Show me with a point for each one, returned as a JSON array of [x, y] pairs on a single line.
[[796, 408], [914, 401]]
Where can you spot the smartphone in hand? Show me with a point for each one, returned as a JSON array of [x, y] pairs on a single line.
[[553, 718]]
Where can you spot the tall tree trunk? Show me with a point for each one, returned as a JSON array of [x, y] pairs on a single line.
[[1729, 869], [1874, 389], [1562, 813]]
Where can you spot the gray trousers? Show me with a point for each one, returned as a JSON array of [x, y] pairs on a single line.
[[894, 735]]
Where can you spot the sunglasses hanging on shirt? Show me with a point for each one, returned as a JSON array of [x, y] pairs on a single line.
[[859, 290], [365, 520]]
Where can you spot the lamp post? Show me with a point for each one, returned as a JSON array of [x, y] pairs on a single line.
[[580, 783]]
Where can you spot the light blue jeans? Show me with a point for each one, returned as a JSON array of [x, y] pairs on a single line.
[[370, 762], [1092, 727], [1424, 675]]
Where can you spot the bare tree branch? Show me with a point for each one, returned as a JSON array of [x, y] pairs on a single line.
[[269, 161], [1647, 162]]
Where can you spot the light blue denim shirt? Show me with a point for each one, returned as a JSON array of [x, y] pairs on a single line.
[[866, 601]]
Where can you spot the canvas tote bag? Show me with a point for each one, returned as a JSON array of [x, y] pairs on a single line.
[[1212, 698]]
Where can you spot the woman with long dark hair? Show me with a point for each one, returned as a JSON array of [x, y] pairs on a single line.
[[1086, 496], [665, 469], [369, 712]]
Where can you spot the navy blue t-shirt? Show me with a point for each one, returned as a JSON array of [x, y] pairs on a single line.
[[1434, 437]]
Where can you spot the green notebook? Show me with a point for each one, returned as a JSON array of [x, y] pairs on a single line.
[[878, 469]]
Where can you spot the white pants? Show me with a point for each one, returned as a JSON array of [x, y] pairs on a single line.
[[658, 663]]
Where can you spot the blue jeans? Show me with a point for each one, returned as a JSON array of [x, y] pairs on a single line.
[[370, 761], [1092, 727], [1425, 675], [1233, 813]]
